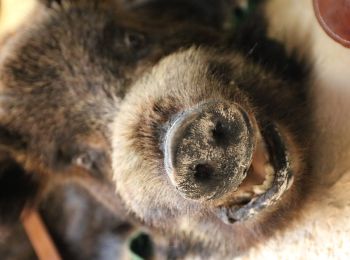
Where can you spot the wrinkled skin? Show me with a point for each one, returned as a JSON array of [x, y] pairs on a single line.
[[89, 89]]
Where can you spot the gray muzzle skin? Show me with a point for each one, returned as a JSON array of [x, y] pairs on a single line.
[[208, 150]]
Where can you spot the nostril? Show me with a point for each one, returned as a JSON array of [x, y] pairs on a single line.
[[207, 149], [219, 133], [203, 172]]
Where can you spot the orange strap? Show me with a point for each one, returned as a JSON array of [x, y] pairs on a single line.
[[38, 235]]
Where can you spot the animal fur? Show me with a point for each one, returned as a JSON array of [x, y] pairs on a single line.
[[45, 136]]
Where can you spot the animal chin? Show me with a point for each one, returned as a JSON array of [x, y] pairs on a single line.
[[269, 177]]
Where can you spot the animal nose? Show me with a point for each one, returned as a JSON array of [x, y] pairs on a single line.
[[208, 149]]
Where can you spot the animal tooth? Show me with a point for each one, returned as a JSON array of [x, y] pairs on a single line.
[[258, 189], [269, 170], [269, 178], [268, 182], [244, 194]]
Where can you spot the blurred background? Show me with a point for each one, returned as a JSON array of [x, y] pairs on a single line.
[[13, 12]]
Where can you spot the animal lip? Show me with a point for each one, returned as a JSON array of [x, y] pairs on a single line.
[[277, 181]]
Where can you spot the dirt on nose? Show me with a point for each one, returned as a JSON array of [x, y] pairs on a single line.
[[208, 150]]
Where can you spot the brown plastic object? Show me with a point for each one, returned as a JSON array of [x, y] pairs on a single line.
[[334, 17], [39, 236]]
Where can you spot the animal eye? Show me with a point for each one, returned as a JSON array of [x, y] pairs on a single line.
[[84, 161], [134, 40]]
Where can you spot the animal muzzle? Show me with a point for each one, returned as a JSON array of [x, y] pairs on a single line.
[[208, 149]]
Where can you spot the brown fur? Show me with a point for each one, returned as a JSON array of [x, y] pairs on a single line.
[[88, 89], [146, 175]]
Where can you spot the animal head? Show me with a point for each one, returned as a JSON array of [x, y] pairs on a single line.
[[195, 138]]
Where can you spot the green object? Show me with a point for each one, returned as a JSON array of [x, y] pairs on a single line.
[[240, 13], [140, 247]]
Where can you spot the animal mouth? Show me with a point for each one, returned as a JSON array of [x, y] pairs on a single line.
[[269, 177], [237, 169]]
